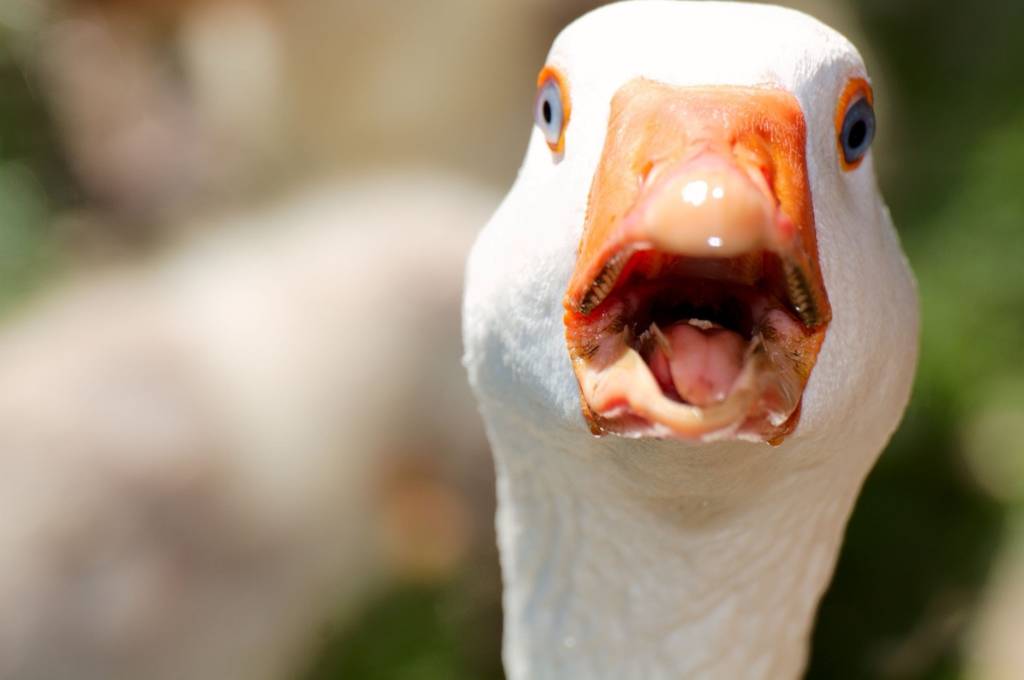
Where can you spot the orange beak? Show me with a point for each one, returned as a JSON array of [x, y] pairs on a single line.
[[700, 202]]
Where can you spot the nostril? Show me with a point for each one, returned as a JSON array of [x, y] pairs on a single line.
[[651, 171], [757, 161], [645, 172]]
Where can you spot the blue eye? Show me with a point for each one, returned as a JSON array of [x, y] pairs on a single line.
[[857, 131], [549, 113]]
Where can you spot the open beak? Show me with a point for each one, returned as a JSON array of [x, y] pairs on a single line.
[[697, 308]]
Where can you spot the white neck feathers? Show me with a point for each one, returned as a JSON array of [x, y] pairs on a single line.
[[610, 578]]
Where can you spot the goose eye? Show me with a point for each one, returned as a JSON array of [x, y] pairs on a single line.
[[551, 110], [855, 123], [858, 131]]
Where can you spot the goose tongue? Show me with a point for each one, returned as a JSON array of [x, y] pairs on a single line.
[[696, 361]]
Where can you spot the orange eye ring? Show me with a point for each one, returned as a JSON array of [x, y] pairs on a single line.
[[552, 107], [856, 89]]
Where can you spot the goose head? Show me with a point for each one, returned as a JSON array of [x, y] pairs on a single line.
[[696, 248]]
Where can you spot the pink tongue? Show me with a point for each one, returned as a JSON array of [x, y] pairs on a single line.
[[701, 365]]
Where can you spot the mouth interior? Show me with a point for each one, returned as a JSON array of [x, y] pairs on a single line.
[[723, 334], [695, 345]]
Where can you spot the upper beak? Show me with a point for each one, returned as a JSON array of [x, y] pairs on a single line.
[[702, 172]]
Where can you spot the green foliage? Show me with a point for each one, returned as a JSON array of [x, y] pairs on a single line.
[[31, 175], [414, 633], [23, 214]]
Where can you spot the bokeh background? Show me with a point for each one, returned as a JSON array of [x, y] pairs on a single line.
[[224, 144]]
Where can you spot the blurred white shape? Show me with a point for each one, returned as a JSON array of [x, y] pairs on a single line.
[[166, 107], [993, 449], [993, 441], [996, 643], [131, 137], [190, 452], [232, 56]]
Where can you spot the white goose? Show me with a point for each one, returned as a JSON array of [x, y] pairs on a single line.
[[696, 251]]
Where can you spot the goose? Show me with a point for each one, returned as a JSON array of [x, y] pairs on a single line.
[[691, 330]]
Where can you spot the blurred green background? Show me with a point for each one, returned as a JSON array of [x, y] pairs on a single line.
[[935, 513]]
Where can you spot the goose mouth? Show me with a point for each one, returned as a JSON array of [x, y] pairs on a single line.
[[697, 308], [700, 348]]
